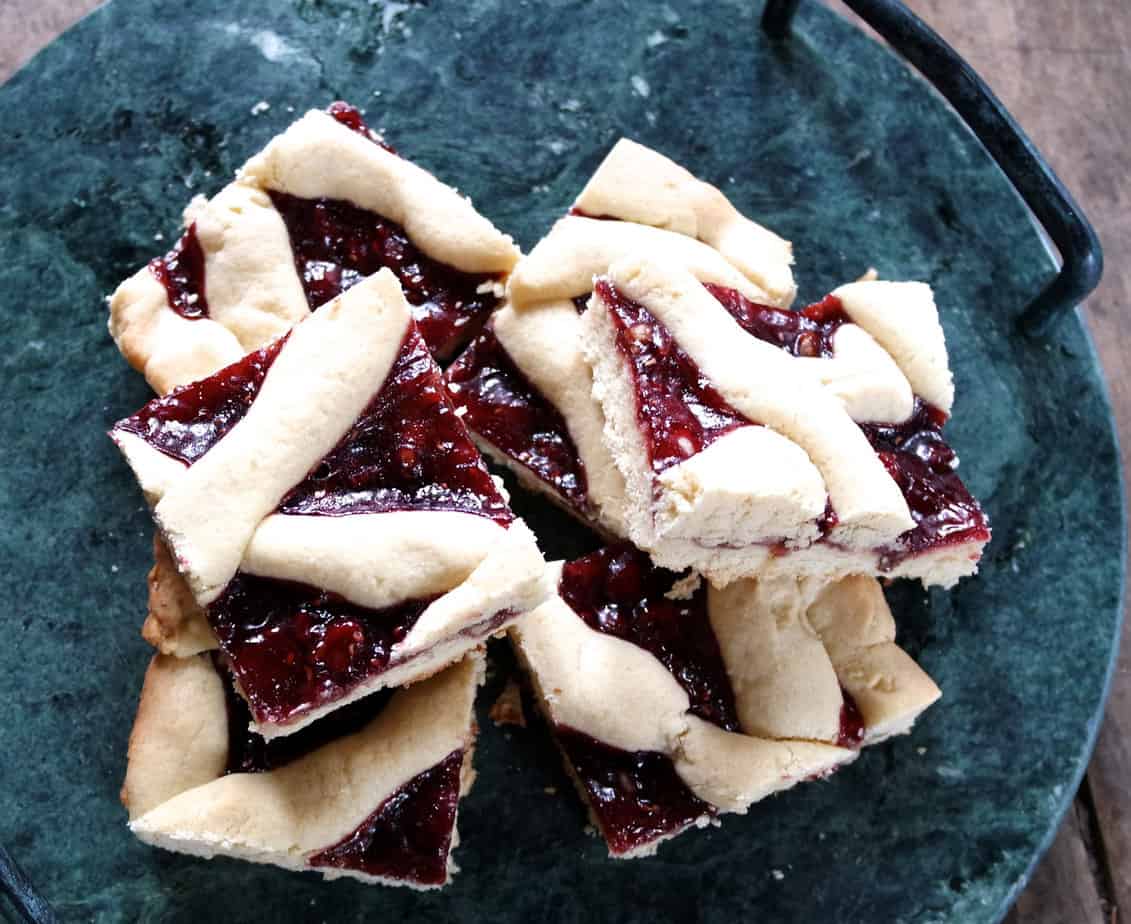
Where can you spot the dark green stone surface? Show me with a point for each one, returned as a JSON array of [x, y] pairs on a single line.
[[827, 139]]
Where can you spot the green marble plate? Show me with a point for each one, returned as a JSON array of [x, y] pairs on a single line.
[[828, 139]]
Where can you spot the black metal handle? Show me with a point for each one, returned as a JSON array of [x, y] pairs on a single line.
[[15, 884], [1032, 177]]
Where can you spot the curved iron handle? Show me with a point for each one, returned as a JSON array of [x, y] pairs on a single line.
[[15, 884], [1052, 204]]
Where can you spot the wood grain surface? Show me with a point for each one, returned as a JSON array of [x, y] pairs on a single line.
[[1063, 67]]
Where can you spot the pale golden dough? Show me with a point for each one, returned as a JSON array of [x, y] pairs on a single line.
[[784, 683], [902, 317], [856, 626], [318, 157], [377, 560], [167, 349], [327, 371], [281, 816], [180, 736], [733, 771], [251, 284], [635, 183], [562, 265]]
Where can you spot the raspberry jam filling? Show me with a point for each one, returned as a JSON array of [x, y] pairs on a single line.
[[407, 451], [507, 411], [249, 752], [636, 796], [679, 412], [337, 244], [181, 272], [292, 647], [350, 117], [914, 452], [618, 591], [923, 465], [409, 836], [190, 420], [802, 333], [852, 729]]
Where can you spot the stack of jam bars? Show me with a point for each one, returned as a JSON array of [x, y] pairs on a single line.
[[753, 468], [331, 551]]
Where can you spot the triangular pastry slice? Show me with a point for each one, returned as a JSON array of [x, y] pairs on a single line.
[[322, 206], [329, 513], [673, 702], [371, 793], [523, 384], [755, 441]]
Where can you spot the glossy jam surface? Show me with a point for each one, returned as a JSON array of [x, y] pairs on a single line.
[[293, 648], [802, 333], [923, 465], [189, 421], [249, 752], [636, 796], [409, 836], [407, 451], [510, 413], [336, 245], [914, 451], [350, 117], [181, 272], [851, 723], [616, 590], [679, 412]]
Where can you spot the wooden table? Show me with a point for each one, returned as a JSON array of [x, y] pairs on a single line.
[[1063, 67]]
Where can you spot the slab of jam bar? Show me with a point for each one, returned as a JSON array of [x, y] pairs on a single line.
[[741, 461], [322, 499], [371, 792], [324, 205], [673, 702]]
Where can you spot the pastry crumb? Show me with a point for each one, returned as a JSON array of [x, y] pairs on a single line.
[[684, 588], [777, 874], [261, 107], [550, 790]]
